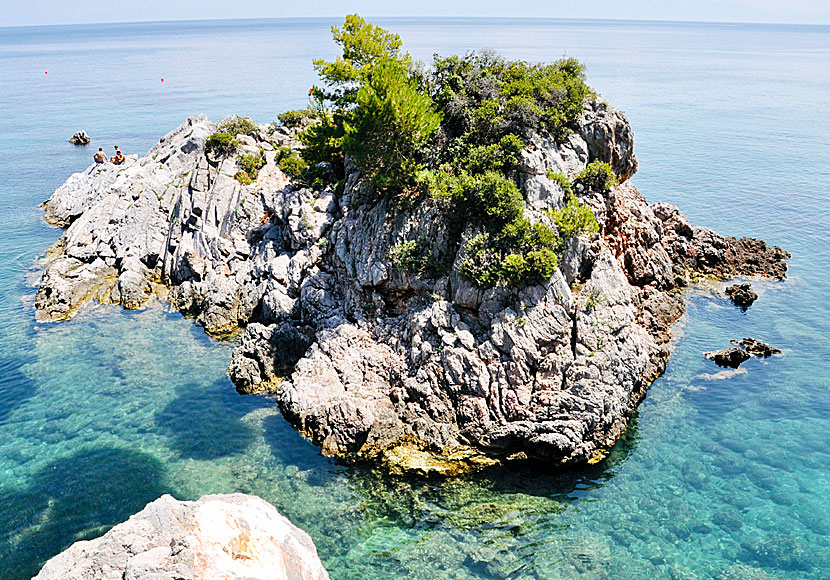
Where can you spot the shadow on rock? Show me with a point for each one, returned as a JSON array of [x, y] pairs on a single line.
[[75, 498], [208, 424]]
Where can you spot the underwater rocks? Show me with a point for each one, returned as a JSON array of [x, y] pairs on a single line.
[[420, 370], [742, 294], [219, 536], [735, 356], [80, 138]]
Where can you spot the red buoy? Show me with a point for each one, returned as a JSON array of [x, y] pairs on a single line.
[[46, 72], [162, 79]]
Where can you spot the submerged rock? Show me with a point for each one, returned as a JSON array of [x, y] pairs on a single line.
[[421, 370], [742, 294], [80, 138], [219, 536], [728, 357]]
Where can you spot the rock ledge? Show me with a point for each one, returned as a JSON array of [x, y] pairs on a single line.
[[219, 536]]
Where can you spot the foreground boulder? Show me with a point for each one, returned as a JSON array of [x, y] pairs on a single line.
[[219, 536], [411, 367]]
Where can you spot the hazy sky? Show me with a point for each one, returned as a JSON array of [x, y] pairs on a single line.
[[33, 12]]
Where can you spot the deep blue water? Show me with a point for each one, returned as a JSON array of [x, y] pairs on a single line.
[[716, 478]]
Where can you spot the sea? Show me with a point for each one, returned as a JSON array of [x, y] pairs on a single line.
[[719, 476]]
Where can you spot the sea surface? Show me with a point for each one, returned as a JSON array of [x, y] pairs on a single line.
[[719, 476]]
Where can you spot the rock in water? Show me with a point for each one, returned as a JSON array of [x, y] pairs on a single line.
[[742, 294], [219, 536], [728, 357], [80, 138], [416, 369], [756, 347]]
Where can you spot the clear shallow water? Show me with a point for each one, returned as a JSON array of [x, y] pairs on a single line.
[[716, 477]]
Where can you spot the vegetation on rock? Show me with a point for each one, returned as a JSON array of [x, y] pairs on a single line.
[[598, 176], [251, 163], [221, 145], [451, 135]]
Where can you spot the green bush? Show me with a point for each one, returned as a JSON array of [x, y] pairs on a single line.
[[294, 119], [291, 163], [503, 156], [597, 176], [251, 163], [521, 253], [243, 178], [220, 145], [323, 140], [238, 126], [562, 180], [409, 256], [391, 122], [575, 219]]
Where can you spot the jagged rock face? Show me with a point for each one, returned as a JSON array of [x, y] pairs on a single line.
[[219, 536], [368, 359]]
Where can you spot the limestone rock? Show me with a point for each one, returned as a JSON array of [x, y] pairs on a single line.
[[374, 361], [742, 294], [729, 357], [219, 536], [80, 138], [756, 347]]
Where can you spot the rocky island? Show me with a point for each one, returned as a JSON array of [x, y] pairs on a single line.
[[438, 270]]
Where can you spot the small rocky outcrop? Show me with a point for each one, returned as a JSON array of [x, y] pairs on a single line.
[[80, 138], [371, 360], [219, 536], [728, 357], [746, 347], [742, 294], [756, 347]]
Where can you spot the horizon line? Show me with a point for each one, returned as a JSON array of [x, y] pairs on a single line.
[[470, 18]]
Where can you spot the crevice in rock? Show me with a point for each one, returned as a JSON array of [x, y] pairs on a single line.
[[573, 333]]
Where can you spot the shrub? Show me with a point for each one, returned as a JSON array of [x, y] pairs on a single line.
[[251, 163], [563, 181], [521, 253], [291, 163], [597, 176], [391, 121], [294, 119], [221, 145], [323, 140], [243, 178], [575, 219], [503, 156], [238, 126], [409, 256]]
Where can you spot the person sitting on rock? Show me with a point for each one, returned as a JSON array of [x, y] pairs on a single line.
[[100, 157], [118, 158]]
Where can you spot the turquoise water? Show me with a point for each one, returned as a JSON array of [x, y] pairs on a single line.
[[716, 478]]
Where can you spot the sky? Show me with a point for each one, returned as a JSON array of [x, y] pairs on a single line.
[[41, 12]]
